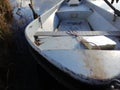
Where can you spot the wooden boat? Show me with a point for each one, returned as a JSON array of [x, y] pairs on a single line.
[[61, 35]]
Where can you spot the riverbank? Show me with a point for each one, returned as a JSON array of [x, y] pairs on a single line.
[[6, 45]]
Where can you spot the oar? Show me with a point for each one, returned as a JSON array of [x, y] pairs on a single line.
[[35, 15], [117, 12], [112, 1]]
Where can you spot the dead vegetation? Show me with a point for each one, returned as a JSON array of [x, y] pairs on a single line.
[[6, 42], [5, 30]]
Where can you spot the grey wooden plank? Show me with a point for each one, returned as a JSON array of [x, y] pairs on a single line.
[[80, 33]]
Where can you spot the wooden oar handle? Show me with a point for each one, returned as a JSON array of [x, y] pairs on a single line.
[[35, 15], [117, 12]]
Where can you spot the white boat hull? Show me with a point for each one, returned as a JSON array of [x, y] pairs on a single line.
[[65, 52]]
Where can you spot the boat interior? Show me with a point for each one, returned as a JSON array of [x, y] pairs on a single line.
[[79, 17], [81, 39]]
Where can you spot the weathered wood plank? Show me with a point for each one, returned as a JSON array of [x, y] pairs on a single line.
[[80, 33]]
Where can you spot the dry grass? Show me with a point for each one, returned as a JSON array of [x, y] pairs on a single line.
[[5, 20], [6, 44], [4, 28], [5, 9]]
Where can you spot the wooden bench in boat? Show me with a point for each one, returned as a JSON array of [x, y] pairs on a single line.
[[80, 33], [63, 35], [78, 12]]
